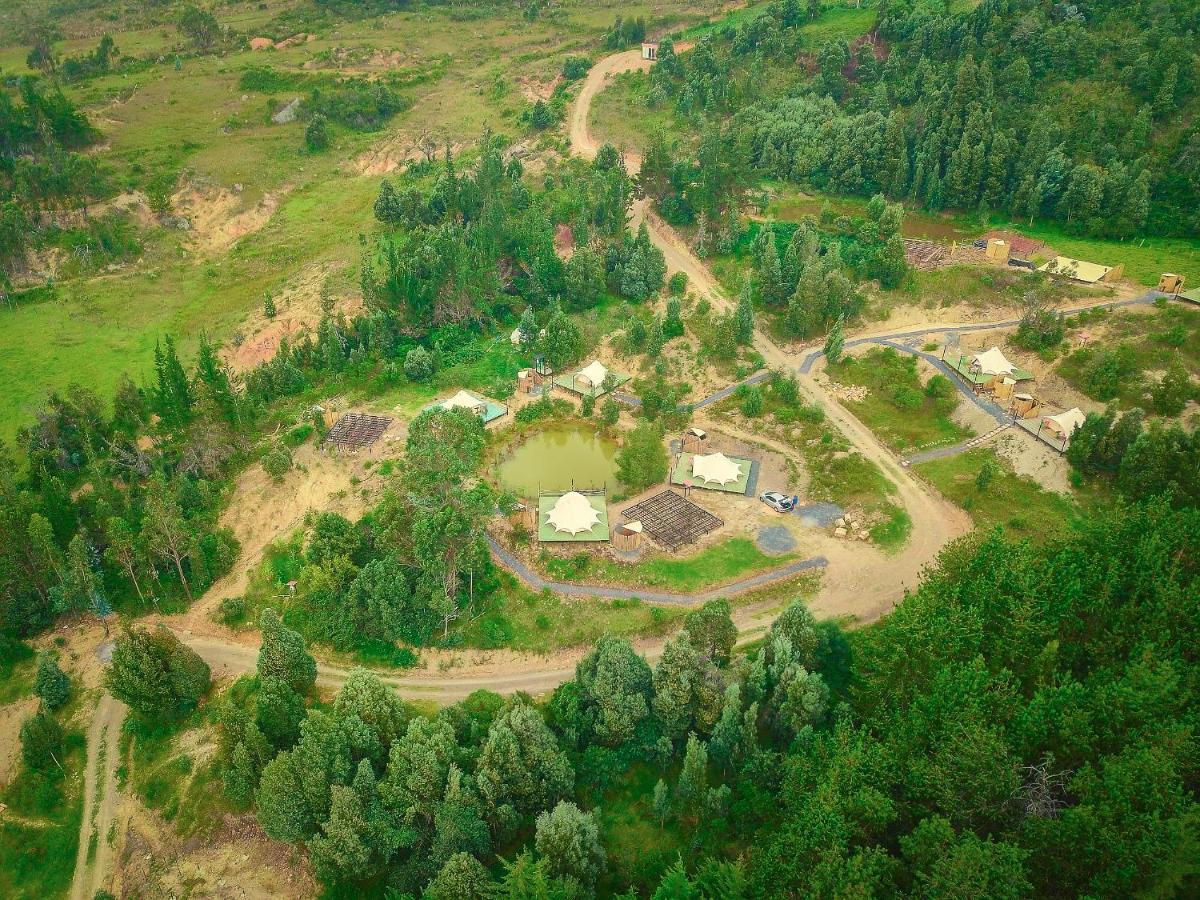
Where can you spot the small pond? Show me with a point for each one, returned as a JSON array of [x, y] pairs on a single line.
[[557, 459]]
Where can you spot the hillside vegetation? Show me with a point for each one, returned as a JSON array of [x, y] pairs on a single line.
[[1083, 114]]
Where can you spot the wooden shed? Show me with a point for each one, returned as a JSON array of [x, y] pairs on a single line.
[[693, 440], [628, 536]]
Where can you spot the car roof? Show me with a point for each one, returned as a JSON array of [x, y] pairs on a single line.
[[775, 494]]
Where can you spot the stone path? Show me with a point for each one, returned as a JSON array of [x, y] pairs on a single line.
[[954, 449], [536, 582]]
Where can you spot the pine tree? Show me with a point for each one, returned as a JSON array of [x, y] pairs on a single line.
[[283, 654], [279, 710], [835, 343], [51, 683], [569, 841], [215, 377], [41, 741], [173, 394], [673, 321], [528, 328], [155, 674], [692, 787], [661, 803]]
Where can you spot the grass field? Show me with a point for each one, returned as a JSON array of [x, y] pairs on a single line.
[[897, 407], [197, 122], [39, 832], [168, 779], [1016, 503], [719, 564]]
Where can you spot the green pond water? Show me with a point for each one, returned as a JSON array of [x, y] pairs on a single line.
[[557, 460]]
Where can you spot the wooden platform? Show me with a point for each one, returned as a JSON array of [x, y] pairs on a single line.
[[671, 520]]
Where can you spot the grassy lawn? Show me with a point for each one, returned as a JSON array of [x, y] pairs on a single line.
[[522, 620], [1014, 502], [892, 533], [620, 116], [721, 563], [39, 833], [198, 122], [905, 414], [1144, 259]]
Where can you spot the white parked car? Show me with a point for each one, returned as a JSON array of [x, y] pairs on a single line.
[[776, 501]]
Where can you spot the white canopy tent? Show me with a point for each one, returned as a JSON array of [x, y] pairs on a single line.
[[593, 373], [573, 513], [464, 400], [1065, 423], [992, 362], [715, 468]]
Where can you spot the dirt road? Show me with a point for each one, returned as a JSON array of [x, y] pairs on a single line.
[[100, 797]]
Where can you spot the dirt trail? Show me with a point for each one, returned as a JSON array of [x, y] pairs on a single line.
[[99, 807]]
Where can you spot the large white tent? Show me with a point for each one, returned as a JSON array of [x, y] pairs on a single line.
[[992, 362], [715, 468], [1065, 423], [465, 400], [593, 373], [573, 513]]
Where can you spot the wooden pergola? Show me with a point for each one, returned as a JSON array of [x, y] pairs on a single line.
[[672, 520], [356, 430]]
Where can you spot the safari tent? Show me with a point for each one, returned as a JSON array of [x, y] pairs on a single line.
[[1063, 425], [714, 472], [1081, 270], [484, 407], [593, 380]]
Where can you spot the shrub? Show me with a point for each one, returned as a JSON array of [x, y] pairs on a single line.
[[677, 284], [277, 463], [1170, 394], [298, 435], [575, 67], [231, 611], [1107, 372], [316, 135], [906, 398], [588, 406], [418, 364], [939, 387], [752, 403]]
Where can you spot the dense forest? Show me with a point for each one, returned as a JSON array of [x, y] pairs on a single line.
[[1080, 113], [1023, 725]]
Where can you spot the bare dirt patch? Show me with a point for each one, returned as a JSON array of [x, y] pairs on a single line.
[[238, 861], [298, 309], [219, 217], [264, 511]]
